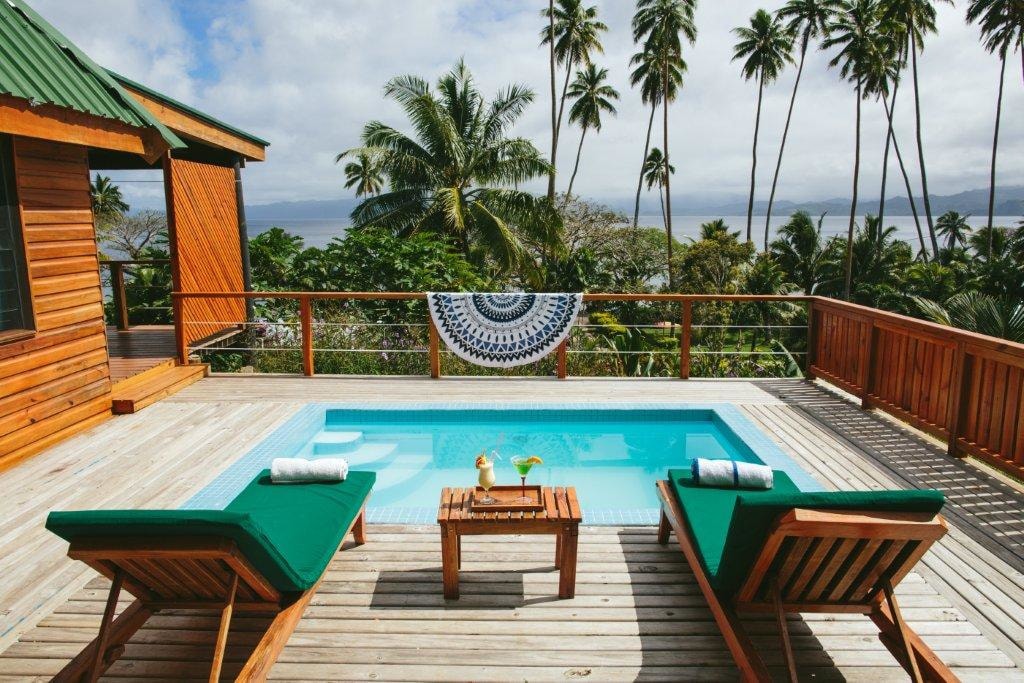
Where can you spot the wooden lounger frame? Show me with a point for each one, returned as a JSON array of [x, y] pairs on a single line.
[[193, 573], [821, 561]]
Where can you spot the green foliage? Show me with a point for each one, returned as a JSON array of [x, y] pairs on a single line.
[[713, 266]]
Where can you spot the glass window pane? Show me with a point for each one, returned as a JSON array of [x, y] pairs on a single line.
[[14, 304]]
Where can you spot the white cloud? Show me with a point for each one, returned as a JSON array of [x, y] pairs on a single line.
[[306, 75]]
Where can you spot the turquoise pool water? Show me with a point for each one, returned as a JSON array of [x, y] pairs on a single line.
[[612, 460], [612, 455]]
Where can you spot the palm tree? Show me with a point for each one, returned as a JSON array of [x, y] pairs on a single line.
[[591, 95], [977, 312], [554, 101], [656, 173], [661, 25], [954, 227], [716, 228], [107, 201], [854, 32], [881, 79], [573, 33], [453, 177], [809, 19], [647, 74], [362, 174], [918, 19], [765, 46], [801, 252], [1002, 27]]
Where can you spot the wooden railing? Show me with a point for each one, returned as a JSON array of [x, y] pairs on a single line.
[[117, 285], [965, 388], [185, 321]]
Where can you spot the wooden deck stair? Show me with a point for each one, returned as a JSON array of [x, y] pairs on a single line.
[[145, 388]]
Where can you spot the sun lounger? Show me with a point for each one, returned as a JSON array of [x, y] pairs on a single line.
[[266, 552], [784, 551]]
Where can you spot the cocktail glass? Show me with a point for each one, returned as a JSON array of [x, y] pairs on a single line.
[[486, 481], [523, 467]]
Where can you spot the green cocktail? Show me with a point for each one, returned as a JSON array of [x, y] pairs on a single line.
[[523, 467]]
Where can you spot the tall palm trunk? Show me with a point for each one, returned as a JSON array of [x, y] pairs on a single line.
[[753, 165], [785, 134], [853, 206], [920, 144], [576, 168], [885, 155], [554, 97], [640, 180], [906, 182], [561, 100], [995, 147], [668, 183], [661, 200]]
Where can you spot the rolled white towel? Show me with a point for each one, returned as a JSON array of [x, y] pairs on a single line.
[[731, 474], [295, 470]]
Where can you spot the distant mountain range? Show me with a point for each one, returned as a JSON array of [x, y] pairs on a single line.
[[1009, 202]]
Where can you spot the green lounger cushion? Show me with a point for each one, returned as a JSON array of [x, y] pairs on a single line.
[[288, 532], [708, 511], [729, 545]]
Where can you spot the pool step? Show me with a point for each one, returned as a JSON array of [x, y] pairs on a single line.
[[368, 453], [332, 443]]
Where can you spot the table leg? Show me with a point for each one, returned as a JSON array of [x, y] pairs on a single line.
[[567, 570], [458, 541], [558, 549], [450, 562]]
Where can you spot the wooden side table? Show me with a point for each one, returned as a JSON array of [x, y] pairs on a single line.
[[560, 517]]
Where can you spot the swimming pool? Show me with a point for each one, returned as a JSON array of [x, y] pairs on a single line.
[[611, 453]]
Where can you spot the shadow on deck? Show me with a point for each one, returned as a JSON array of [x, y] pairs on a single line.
[[983, 506]]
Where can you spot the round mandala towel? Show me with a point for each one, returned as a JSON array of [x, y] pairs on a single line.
[[503, 330]]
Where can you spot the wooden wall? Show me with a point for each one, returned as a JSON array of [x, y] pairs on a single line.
[[56, 382], [207, 254]]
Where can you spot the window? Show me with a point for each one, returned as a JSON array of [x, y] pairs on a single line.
[[15, 306]]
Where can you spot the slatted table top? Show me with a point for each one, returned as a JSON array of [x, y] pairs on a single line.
[[560, 507]]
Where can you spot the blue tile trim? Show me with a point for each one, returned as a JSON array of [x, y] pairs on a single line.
[[311, 418]]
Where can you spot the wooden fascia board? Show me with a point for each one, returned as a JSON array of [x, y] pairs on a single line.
[[59, 124], [185, 124]]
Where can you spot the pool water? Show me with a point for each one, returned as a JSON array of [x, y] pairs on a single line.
[[613, 461], [613, 456]]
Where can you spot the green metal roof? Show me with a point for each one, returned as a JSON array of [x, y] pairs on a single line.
[[39, 64], [184, 107]]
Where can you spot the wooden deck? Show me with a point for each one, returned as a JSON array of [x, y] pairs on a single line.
[[138, 349], [637, 614]]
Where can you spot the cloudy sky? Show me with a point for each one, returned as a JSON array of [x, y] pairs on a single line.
[[306, 75]]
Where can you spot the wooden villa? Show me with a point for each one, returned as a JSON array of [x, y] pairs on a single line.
[[61, 117]]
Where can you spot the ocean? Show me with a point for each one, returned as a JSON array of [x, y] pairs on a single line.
[[319, 232]]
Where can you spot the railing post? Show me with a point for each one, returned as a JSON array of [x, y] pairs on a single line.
[[180, 339], [434, 352], [812, 339], [561, 354], [959, 388], [686, 324], [117, 288], [306, 320], [867, 364]]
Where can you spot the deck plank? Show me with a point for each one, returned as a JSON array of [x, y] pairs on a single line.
[[379, 615]]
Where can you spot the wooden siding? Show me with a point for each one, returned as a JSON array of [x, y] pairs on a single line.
[[207, 254], [57, 381]]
